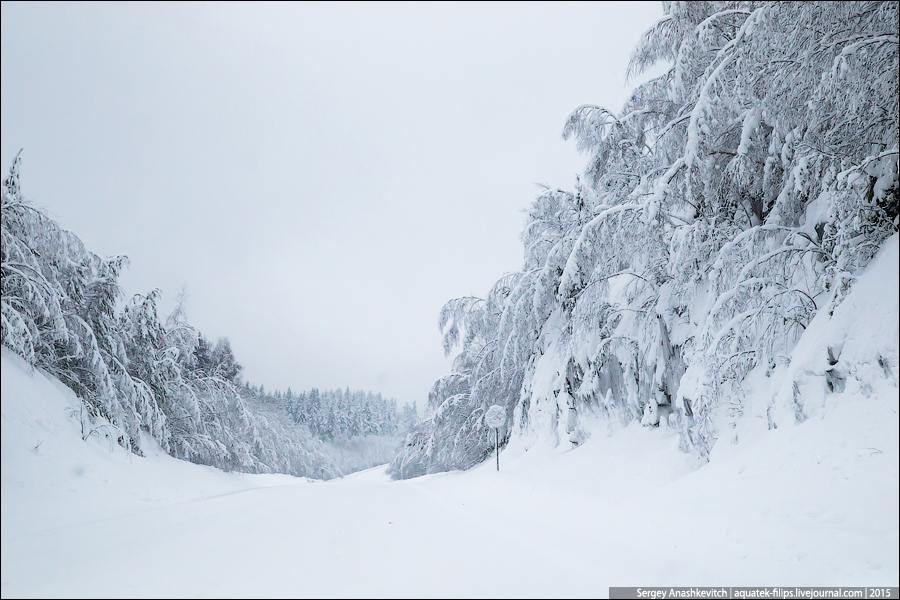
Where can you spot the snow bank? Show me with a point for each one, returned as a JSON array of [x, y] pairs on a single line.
[[846, 362], [51, 478]]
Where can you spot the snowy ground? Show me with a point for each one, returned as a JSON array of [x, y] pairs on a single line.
[[815, 503]]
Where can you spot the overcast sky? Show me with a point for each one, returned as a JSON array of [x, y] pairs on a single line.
[[321, 177]]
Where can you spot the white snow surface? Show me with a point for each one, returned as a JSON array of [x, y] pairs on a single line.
[[809, 503]]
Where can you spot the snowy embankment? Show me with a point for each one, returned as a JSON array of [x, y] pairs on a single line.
[[810, 503]]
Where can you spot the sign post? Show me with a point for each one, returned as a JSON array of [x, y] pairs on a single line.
[[495, 417]]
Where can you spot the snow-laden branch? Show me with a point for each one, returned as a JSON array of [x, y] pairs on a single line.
[[867, 161], [732, 324], [701, 28], [768, 256], [704, 100], [840, 61], [730, 293], [651, 205], [571, 273], [727, 248]]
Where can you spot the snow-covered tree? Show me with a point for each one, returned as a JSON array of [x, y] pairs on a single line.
[[731, 198], [134, 374]]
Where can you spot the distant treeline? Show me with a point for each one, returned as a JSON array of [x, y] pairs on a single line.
[[331, 414]]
